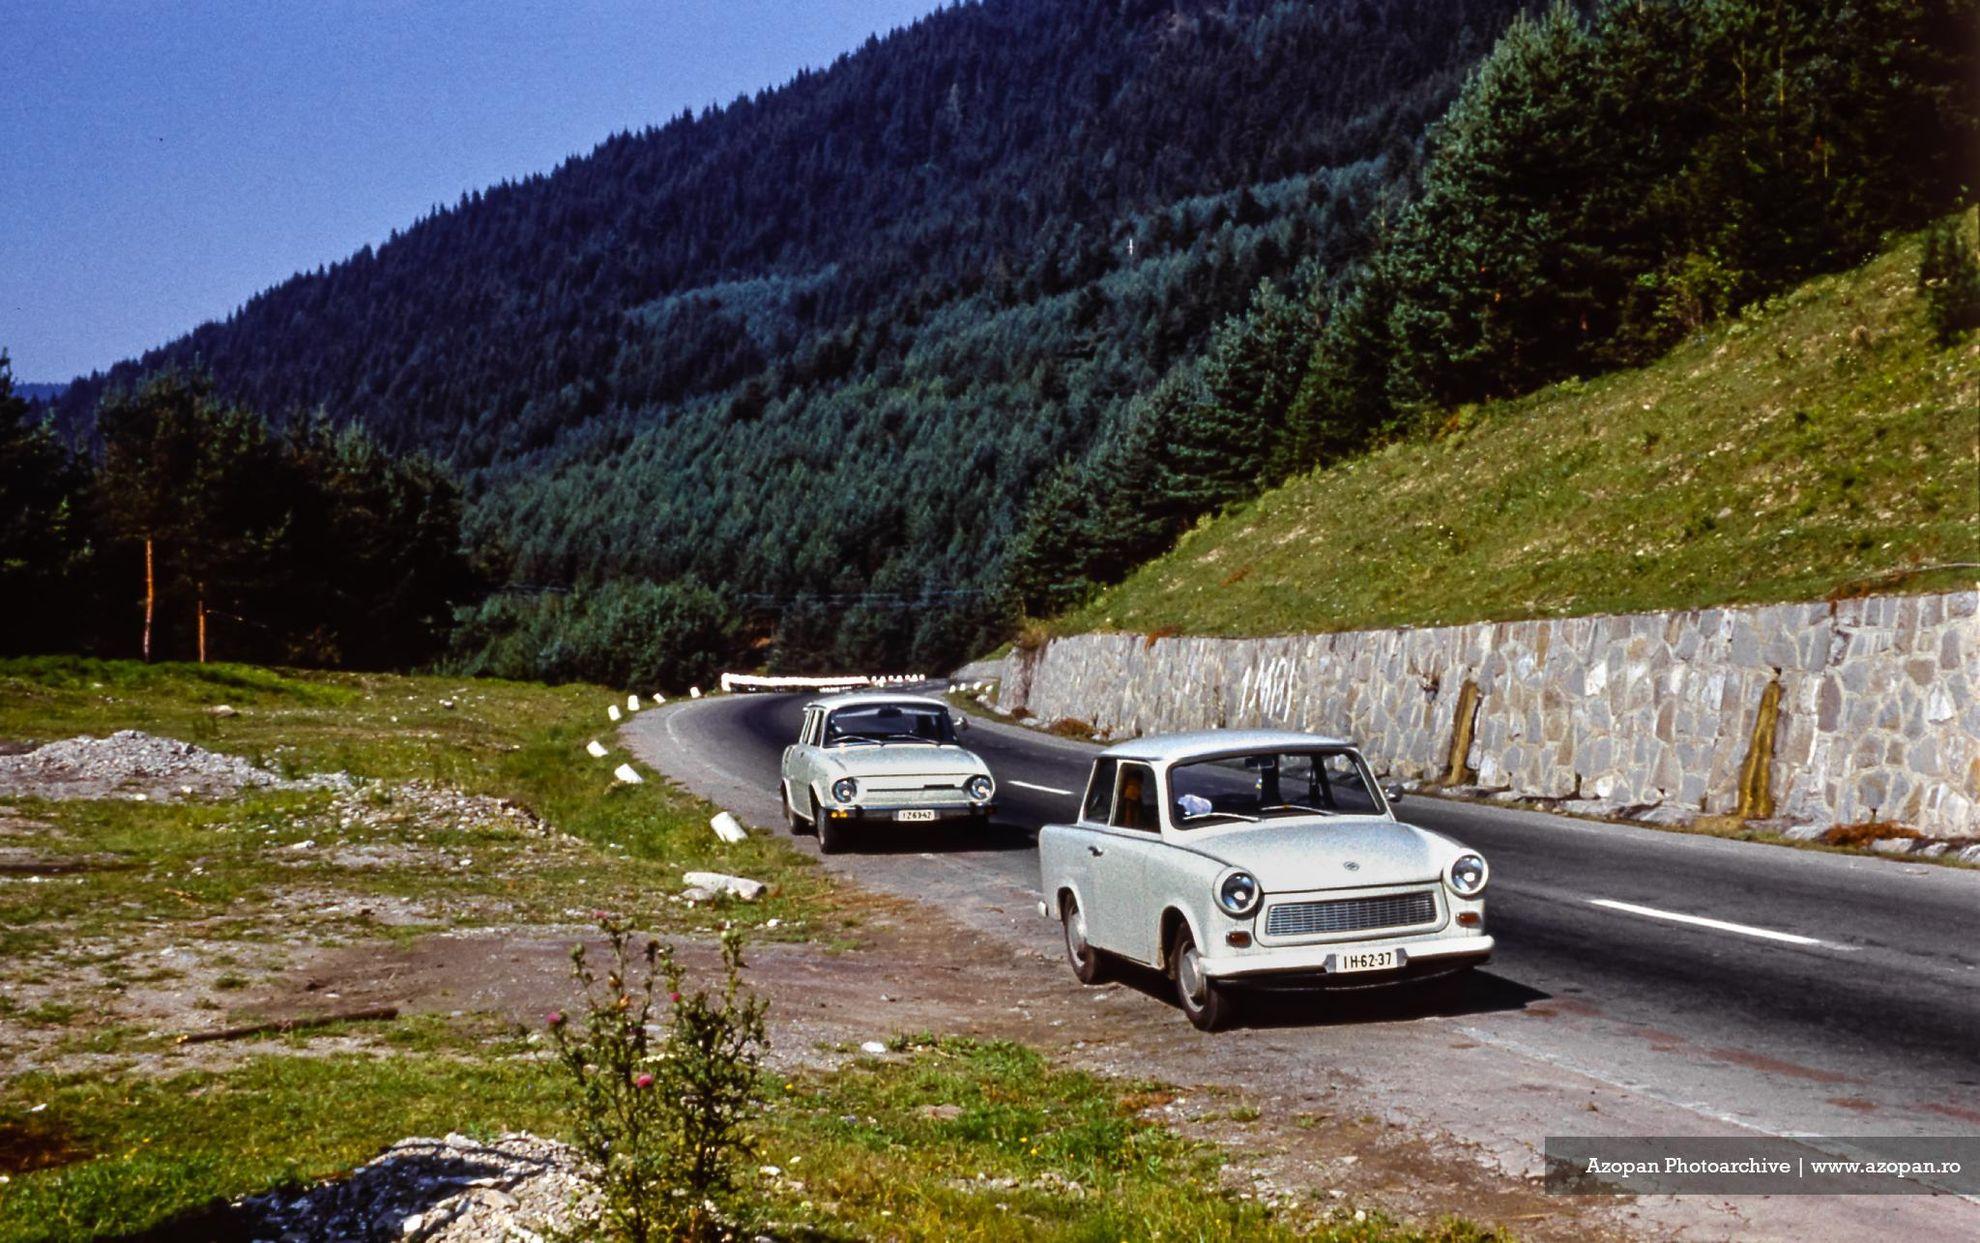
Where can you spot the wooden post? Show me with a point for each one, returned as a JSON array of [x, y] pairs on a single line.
[[150, 597], [202, 623]]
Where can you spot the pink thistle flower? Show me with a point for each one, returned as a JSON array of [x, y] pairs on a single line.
[[555, 1018], [643, 1081], [675, 998]]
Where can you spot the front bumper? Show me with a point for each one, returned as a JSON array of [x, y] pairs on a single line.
[[1305, 966], [857, 814]]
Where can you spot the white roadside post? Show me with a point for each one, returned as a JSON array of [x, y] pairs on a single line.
[[596, 749], [627, 774], [728, 828]]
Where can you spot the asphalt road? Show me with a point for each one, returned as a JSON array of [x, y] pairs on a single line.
[[1825, 995]]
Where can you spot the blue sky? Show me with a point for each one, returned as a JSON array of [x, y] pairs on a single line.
[[161, 162]]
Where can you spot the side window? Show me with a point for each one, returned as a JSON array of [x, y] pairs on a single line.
[[1345, 787], [1137, 806], [1099, 792], [811, 719]]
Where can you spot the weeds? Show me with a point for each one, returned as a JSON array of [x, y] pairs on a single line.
[[661, 1127]]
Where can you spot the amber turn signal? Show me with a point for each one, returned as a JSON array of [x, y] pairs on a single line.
[[1470, 919], [1239, 938]]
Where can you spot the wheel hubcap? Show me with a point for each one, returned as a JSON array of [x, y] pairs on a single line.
[[1189, 974], [1076, 935]]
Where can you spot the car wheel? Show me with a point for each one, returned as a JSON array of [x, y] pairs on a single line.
[[1205, 1003], [1087, 964], [831, 838]]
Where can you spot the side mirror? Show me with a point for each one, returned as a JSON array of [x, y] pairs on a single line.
[[962, 723], [1395, 793]]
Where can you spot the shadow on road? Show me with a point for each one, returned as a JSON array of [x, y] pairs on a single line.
[[1477, 992], [954, 837]]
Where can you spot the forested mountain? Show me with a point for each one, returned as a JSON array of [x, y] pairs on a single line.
[[852, 371], [826, 339], [1604, 186]]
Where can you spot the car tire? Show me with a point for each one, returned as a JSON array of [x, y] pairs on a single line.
[[1088, 964], [1205, 1003], [831, 838]]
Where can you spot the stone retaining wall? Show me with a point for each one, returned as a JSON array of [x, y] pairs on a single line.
[[1803, 714]]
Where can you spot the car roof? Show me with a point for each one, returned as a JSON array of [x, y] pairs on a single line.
[[860, 699], [1203, 743]]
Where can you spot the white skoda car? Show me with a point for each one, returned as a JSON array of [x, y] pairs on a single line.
[[866, 758]]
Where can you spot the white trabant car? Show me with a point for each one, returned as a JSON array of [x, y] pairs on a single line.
[[1256, 859], [866, 758]]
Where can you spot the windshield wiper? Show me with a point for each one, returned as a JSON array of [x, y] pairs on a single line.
[[1235, 815], [1318, 811]]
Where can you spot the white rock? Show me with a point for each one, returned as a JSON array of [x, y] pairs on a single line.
[[739, 886], [596, 749], [727, 827], [873, 1046], [627, 774]]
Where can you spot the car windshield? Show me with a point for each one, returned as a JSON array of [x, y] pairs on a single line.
[[874, 723], [1265, 785]]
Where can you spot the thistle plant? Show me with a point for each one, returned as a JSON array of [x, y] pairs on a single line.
[[660, 1107]]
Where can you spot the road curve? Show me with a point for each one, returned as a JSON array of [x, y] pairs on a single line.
[[1789, 991]]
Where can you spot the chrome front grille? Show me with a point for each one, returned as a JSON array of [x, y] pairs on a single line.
[[1310, 919], [914, 791]]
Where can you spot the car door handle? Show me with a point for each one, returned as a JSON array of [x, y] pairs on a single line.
[[1095, 851]]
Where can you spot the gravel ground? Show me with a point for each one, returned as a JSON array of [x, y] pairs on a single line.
[[133, 764], [518, 1188]]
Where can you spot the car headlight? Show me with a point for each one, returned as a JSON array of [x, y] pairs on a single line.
[[1238, 893], [1467, 875], [980, 787], [845, 789]]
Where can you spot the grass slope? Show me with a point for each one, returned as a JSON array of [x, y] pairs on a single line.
[[1818, 444], [512, 740]]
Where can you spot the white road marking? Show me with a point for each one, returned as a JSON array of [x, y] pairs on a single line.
[[1026, 785], [1745, 930]]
